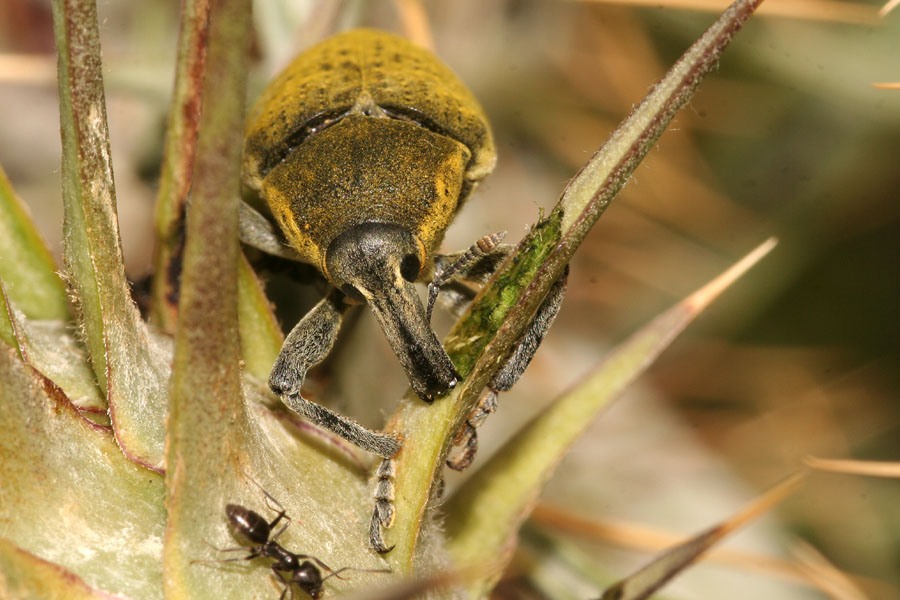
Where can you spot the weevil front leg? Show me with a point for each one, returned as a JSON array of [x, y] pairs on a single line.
[[475, 265], [308, 343]]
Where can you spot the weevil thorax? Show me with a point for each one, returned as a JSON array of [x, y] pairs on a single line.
[[366, 170], [365, 128]]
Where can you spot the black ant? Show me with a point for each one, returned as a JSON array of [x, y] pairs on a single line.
[[255, 535]]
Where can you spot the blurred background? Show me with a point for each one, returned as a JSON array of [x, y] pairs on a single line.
[[801, 357]]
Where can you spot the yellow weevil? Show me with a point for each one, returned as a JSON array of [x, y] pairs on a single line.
[[363, 150]]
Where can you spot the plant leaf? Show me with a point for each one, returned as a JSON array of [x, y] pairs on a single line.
[[127, 364], [653, 576], [645, 538], [27, 577], [178, 163], [107, 526], [26, 266], [261, 337], [484, 516], [501, 313], [48, 347]]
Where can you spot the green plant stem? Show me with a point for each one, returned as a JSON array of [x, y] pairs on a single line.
[[206, 382]]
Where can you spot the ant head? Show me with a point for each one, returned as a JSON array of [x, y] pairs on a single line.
[[309, 578], [250, 528]]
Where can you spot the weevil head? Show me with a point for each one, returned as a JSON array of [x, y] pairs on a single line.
[[371, 256], [378, 263]]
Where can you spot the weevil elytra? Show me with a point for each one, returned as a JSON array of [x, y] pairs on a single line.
[[363, 150]]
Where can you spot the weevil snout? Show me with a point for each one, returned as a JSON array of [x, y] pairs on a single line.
[[377, 262]]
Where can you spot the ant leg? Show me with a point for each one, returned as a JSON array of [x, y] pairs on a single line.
[[465, 445], [342, 569], [475, 264], [315, 560], [279, 509], [253, 554], [336, 573], [383, 516], [238, 548], [308, 343], [269, 497], [235, 549], [284, 582]]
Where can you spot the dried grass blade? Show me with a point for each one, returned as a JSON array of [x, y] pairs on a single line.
[[855, 467], [653, 576]]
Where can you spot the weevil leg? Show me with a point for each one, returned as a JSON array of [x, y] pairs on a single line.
[[258, 232], [383, 516], [308, 343], [522, 353], [475, 264], [465, 446], [455, 297]]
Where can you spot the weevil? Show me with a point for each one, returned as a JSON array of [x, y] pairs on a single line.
[[363, 150]]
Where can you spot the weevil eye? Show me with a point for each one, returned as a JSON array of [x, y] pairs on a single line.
[[409, 267]]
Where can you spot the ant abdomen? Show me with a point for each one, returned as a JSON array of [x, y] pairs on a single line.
[[247, 525]]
